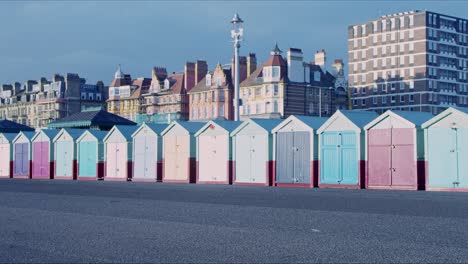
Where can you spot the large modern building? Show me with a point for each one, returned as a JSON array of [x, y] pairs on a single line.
[[414, 61], [282, 87], [36, 103]]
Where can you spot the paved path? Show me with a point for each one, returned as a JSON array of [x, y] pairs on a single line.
[[65, 221]]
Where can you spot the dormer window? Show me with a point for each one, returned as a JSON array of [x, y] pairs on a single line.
[[275, 72], [218, 81], [208, 80], [166, 84], [317, 76]]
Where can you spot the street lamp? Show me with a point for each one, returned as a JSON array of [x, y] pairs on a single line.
[[237, 32]]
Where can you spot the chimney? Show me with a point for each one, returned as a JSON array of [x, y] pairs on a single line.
[[321, 59], [16, 88], [242, 68], [159, 73], [189, 76], [338, 67], [295, 65], [251, 63], [201, 69]]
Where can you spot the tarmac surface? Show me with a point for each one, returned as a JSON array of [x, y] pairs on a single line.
[[73, 221]]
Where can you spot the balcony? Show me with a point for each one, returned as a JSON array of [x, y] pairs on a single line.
[[448, 29]]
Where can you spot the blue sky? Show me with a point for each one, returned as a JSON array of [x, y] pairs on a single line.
[[39, 38]]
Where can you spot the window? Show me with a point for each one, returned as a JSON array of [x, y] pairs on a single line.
[[392, 36], [375, 63], [393, 48], [411, 72], [402, 98], [317, 76], [257, 108], [392, 61], [411, 34], [384, 37], [364, 42], [384, 50], [374, 39], [411, 84], [411, 59], [363, 66], [275, 72], [393, 86], [363, 102], [275, 107], [402, 73], [384, 99], [411, 20], [411, 46], [384, 63], [402, 48], [363, 78], [402, 60], [392, 99], [213, 111], [402, 35], [363, 54], [402, 85], [355, 44], [355, 55], [374, 100], [275, 90], [374, 51], [393, 73], [411, 98], [376, 76]]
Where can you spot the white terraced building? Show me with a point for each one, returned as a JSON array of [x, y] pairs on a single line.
[[413, 61]]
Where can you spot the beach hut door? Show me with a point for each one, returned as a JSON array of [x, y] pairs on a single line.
[[4, 161]]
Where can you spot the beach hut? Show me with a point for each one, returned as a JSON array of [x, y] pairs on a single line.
[[253, 152], [295, 148], [43, 154], [446, 150], [214, 152], [66, 153], [118, 153], [91, 155], [147, 149], [22, 155], [395, 150], [6, 154], [342, 149], [179, 153]]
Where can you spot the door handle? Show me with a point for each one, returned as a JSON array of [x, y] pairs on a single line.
[[393, 146]]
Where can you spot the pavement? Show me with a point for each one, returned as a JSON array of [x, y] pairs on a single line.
[[56, 221]]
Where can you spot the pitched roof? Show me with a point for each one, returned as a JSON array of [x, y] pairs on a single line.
[[190, 126], [228, 125], [126, 131], [91, 118], [447, 112], [201, 85], [98, 134], [312, 121], [9, 136], [50, 133], [267, 124], [74, 133], [8, 126], [417, 118], [252, 79], [275, 60], [156, 128], [359, 118], [177, 86]]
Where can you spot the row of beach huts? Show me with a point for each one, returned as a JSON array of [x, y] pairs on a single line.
[[351, 149]]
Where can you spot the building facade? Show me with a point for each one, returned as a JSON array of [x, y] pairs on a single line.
[[125, 95], [413, 61], [283, 87], [36, 103], [212, 97], [167, 99]]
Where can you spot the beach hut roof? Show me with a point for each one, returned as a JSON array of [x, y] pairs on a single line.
[[156, 128], [416, 118], [98, 134], [313, 122], [266, 124], [229, 126], [444, 114], [357, 117], [191, 127]]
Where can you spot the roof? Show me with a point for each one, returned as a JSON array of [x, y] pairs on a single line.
[[267, 124], [50, 133], [447, 112], [275, 60], [201, 85], [228, 125], [9, 136], [91, 118], [7, 126], [74, 133], [156, 128], [252, 79], [190, 126], [312, 121], [359, 118], [126, 131], [417, 118], [98, 134]]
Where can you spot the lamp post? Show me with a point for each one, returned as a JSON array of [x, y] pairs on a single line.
[[237, 32]]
